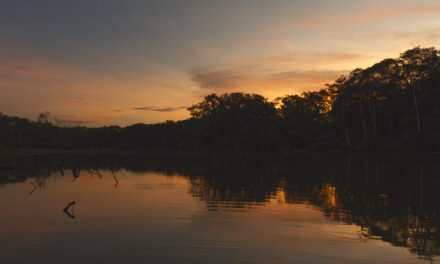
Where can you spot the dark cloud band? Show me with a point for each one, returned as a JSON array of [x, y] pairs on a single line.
[[162, 109]]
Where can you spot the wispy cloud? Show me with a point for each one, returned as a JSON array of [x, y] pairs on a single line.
[[324, 21], [30, 83], [260, 80], [277, 73], [306, 75], [35, 69], [305, 58], [160, 109], [218, 79], [429, 35]]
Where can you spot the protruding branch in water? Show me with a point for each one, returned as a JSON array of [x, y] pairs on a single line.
[[94, 171], [76, 171], [34, 187], [66, 209], [116, 179]]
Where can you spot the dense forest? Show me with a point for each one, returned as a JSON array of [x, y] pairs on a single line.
[[390, 106]]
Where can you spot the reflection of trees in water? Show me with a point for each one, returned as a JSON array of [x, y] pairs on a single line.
[[386, 198], [420, 233], [401, 226], [390, 199], [230, 184], [232, 190]]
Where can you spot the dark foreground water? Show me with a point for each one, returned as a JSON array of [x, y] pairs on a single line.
[[217, 209]]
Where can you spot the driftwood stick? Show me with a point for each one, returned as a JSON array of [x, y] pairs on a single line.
[[66, 210]]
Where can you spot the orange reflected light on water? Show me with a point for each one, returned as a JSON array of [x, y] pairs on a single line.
[[328, 195]]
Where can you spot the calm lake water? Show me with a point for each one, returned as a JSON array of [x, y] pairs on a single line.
[[217, 209]]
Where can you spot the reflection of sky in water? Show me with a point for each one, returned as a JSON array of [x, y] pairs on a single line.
[[155, 218]]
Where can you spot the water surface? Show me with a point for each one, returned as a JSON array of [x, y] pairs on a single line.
[[178, 209]]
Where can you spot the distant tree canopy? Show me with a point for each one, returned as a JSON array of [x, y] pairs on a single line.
[[253, 106], [44, 118], [236, 120], [392, 105]]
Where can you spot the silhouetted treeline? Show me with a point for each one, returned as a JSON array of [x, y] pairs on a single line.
[[393, 105]]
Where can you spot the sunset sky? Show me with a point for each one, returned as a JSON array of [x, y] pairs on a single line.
[[122, 62]]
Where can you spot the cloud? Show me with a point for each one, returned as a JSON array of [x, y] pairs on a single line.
[[163, 109], [144, 108], [217, 79], [30, 82], [277, 74], [307, 75], [31, 69], [259, 80], [307, 57], [430, 35], [325, 21]]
